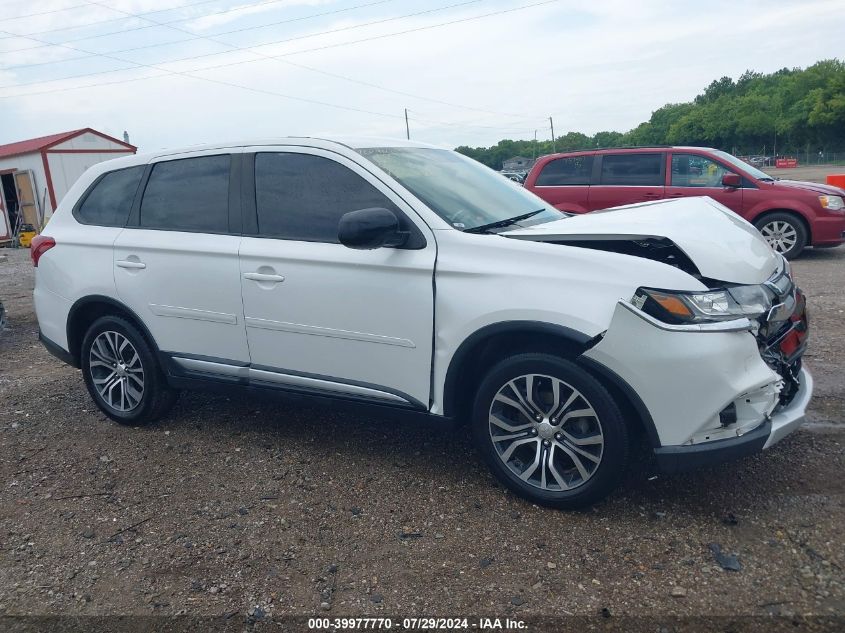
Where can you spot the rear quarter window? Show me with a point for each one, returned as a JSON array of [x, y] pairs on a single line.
[[575, 170], [109, 200]]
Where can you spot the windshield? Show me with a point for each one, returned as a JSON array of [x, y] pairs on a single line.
[[460, 190], [750, 170]]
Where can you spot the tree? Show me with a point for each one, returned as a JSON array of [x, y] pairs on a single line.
[[795, 108]]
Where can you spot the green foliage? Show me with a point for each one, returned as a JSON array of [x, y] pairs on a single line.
[[799, 110]]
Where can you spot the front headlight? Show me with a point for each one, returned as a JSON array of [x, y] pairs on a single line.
[[832, 203], [705, 306]]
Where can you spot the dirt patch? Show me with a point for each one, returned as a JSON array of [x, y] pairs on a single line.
[[236, 503]]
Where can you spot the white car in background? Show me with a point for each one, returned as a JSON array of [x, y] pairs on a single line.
[[401, 275]]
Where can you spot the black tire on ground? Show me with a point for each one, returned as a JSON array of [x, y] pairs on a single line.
[[156, 397], [786, 226], [608, 420]]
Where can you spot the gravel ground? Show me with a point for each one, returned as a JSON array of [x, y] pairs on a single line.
[[813, 173], [261, 508]]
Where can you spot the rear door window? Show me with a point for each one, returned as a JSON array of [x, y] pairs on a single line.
[[575, 170], [109, 201], [632, 169], [189, 194]]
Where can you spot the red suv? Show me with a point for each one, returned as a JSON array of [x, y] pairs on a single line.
[[789, 214]]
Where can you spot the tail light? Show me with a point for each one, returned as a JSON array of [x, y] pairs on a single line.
[[40, 245]]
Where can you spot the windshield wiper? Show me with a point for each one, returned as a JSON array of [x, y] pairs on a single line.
[[484, 228]]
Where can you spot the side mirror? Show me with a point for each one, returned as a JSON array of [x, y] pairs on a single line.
[[731, 180], [367, 229]]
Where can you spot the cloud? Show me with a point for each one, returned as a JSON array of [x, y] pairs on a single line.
[[601, 66]]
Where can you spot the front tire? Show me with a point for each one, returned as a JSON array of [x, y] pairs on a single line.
[[784, 232], [550, 431], [122, 374]]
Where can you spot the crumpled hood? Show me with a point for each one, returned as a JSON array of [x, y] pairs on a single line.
[[810, 186], [719, 243]]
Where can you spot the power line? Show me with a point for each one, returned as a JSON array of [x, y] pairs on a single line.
[[187, 5], [240, 30], [316, 70], [165, 72], [31, 15], [288, 54], [205, 55]]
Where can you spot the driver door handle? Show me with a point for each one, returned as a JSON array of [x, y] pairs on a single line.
[[264, 277], [128, 263]]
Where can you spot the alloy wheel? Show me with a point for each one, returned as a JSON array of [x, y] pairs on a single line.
[[780, 235], [116, 371], [546, 432]]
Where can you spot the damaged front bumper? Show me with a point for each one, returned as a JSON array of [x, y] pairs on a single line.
[[674, 459], [709, 394]]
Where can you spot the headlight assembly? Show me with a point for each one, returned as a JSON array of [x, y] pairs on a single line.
[[705, 306], [832, 203]]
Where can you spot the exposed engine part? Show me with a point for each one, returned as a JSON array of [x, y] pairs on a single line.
[[658, 249]]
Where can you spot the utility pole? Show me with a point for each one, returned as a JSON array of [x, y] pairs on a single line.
[[535, 146], [775, 146], [407, 129], [552, 123]]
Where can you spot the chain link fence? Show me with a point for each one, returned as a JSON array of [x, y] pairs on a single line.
[[804, 157]]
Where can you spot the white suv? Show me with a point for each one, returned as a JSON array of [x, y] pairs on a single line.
[[408, 276]]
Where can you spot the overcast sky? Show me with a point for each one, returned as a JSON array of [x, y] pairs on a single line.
[[180, 72]]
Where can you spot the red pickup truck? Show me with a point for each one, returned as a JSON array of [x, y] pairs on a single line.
[[789, 214]]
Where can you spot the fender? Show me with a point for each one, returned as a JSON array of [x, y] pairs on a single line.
[[787, 205], [91, 299], [578, 340]]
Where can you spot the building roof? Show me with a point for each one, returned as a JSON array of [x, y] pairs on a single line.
[[43, 142]]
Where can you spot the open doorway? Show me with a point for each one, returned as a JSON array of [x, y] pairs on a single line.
[[10, 202]]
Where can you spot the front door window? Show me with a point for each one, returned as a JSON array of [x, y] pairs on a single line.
[[693, 170]]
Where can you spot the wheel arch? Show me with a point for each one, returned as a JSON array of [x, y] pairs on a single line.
[[634, 411], [87, 310], [493, 342], [761, 215]]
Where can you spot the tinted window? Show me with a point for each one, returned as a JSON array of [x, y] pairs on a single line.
[[631, 169], [692, 170], [191, 194], [302, 197], [110, 200], [567, 171]]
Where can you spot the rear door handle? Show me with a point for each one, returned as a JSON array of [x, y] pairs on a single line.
[[124, 263], [264, 277]]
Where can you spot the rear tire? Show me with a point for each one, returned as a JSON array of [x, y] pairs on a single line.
[[550, 431], [122, 374], [784, 232]]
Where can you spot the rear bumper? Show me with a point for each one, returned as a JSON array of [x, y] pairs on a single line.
[[57, 350], [674, 459]]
